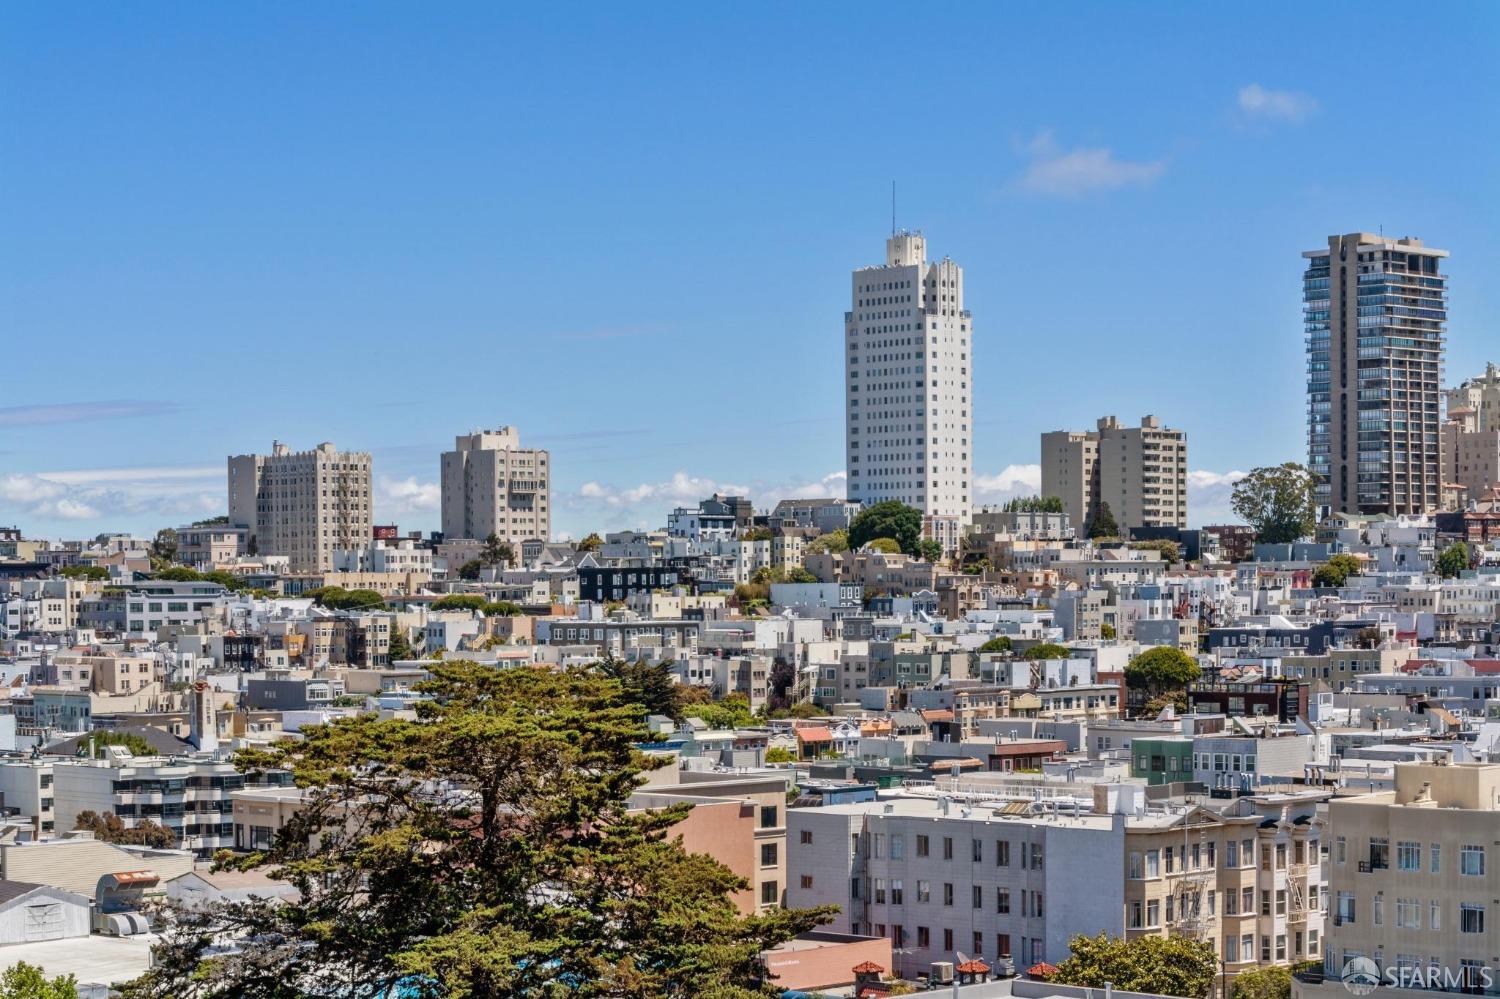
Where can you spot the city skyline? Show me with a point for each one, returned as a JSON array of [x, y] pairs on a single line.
[[206, 257]]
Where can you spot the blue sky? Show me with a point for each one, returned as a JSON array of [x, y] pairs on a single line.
[[628, 229]]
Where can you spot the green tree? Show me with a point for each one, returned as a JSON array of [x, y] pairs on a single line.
[[1103, 524], [502, 608], [529, 874], [496, 552], [1173, 966], [1000, 643], [887, 519], [757, 534], [1336, 571], [27, 981], [1169, 549], [728, 712], [803, 709], [1263, 983], [797, 574], [1107, 631], [778, 754], [768, 574], [591, 543], [164, 546], [94, 572], [459, 601], [110, 829], [1164, 669], [1033, 504], [179, 574], [651, 685], [1279, 501], [228, 580], [400, 649], [1046, 650], [93, 744], [888, 545], [221, 520], [470, 569], [1453, 560], [833, 542], [338, 598], [930, 550]]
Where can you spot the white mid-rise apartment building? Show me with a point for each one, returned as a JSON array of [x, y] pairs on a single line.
[[492, 485], [305, 505], [908, 384]]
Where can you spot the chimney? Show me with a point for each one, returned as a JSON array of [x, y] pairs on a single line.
[[204, 730]]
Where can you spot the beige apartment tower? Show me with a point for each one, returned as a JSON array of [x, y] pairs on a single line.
[[302, 504], [1139, 472], [1374, 313], [492, 485]]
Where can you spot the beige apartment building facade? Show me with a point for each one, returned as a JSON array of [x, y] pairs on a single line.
[[305, 505], [492, 485], [1140, 473], [1414, 882]]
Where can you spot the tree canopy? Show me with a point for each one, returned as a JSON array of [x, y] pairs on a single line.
[[833, 542], [1336, 571], [485, 848], [1263, 983], [1161, 669], [1279, 501], [1453, 560], [109, 828], [338, 598], [1172, 966], [27, 981], [1103, 524], [732, 711], [1046, 650], [889, 546], [887, 519], [590, 543], [459, 601], [930, 550], [651, 685], [94, 572], [496, 552], [1000, 643], [1033, 504]]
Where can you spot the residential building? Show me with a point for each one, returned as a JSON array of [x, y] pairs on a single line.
[[1480, 394], [385, 556], [1139, 472], [206, 547], [1374, 314], [1471, 456], [908, 384], [492, 485], [1414, 877], [304, 505]]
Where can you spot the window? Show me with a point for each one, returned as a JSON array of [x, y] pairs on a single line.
[[1135, 915], [1437, 858], [1153, 864], [1377, 909], [1231, 950], [880, 891], [921, 852], [1408, 914], [947, 939], [769, 893], [947, 893], [1153, 913], [806, 882], [1346, 907], [922, 937], [1231, 854], [1435, 914], [898, 846], [1002, 900], [1002, 853], [1408, 856], [978, 897], [1137, 869], [1340, 849], [1380, 853], [977, 851], [1470, 917], [1471, 861], [768, 855], [805, 837], [768, 816], [897, 893]]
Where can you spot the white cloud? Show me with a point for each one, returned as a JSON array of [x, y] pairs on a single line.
[[1010, 482], [1074, 172], [80, 412], [404, 497], [603, 506], [150, 496], [1278, 105], [1209, 497]]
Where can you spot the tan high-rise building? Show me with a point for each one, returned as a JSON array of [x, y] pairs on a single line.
[[1413, 877], [305, 505], [1140, 473], [492, 485], [1480, 394], [1374, 313], [1070, 471]]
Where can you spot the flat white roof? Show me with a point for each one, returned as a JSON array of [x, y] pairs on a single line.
[[94, 959]]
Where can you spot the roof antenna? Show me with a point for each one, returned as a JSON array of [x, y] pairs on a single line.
[[893, 208]]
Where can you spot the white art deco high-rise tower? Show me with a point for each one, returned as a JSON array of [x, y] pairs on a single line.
[[908, 366]]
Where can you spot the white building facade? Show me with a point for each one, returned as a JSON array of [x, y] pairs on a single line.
[[908, 383]]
